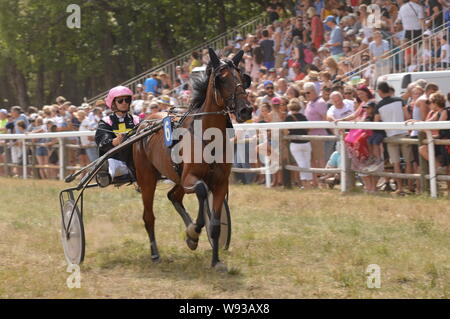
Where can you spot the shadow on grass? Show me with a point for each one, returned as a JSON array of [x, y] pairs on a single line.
[[177, 263]]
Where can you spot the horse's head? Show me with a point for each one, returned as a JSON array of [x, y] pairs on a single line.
[[231, 84]]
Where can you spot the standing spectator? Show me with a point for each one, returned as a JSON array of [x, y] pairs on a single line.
[[439, 112], [272, 11], [299, 52], [195, 61], [332, 68], [411, 14], [151, 84], [267, 46], [88, 141], [443, 62], [82, 151], [316, 110], [60, 100], [340, 109], [436, 14], [3, 122], [258, 58], [298, 28], [248, 58], [41, 151], [166, 83], [379, 49], [276, 113], [16, 145], [316, 26], [281, 86], [390, 109], [300, 150], [140, 93], [270, 92], [336, 38]]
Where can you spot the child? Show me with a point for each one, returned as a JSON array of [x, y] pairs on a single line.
[[325, 78], [375, 140]]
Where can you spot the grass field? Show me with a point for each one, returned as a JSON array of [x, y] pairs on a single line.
[[285, 244]]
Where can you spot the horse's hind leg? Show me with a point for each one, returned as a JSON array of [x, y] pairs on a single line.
[[176, 195]]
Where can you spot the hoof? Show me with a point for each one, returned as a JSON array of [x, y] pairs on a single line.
[[192, 244], [220, 267], [156, 259], [191, 233], [192, 237]]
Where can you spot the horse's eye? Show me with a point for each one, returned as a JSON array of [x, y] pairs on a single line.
[[224, 73]]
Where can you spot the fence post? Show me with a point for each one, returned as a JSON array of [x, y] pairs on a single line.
[[346, 173], [7, 160], [24, 159], [284, 154], [62, 159], [432, 163], [423, 166]]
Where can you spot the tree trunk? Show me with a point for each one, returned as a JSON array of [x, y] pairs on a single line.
[[221, 13], [39, 98], [19, 84], [55, 87]]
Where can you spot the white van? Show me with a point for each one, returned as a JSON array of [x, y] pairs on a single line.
[[400, 81]]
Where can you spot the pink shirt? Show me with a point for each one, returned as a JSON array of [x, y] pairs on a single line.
[[316, 111]]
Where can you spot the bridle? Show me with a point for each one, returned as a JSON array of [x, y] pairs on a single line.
[[230, 102]]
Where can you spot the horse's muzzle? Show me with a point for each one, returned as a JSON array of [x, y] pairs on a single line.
[[244, 114]]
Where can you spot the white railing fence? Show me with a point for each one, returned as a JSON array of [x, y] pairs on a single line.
[[418, 54], [267, 169]]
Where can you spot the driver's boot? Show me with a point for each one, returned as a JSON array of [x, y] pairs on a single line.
[[103, 178]]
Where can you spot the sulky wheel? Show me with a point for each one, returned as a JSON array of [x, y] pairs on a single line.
[[73, 239], [225, 222]]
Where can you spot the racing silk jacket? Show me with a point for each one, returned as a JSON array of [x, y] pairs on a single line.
[[108, 129]]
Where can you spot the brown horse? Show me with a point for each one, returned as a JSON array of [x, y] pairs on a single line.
[[220, 92]]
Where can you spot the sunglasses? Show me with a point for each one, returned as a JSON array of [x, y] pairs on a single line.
[[269, 88], [126, 99], [348, 92]]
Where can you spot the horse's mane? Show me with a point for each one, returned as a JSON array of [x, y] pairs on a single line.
[[199, 89], [200, 86]]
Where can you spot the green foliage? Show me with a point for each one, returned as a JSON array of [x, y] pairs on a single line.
[[117, 39]]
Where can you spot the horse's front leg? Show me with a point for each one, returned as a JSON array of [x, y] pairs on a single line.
[[218, 198], [193, 185]]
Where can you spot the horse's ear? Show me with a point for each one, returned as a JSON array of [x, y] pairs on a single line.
[[237, 58], [213, 57]]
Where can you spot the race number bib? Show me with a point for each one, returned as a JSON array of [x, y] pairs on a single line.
[[167, 126]]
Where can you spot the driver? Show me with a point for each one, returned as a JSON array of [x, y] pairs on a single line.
[[111, 132]]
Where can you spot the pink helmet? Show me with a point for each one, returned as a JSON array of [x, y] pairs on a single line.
[[115, 92]]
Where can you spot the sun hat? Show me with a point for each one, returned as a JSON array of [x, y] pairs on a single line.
[[276, 100], [164, 99]]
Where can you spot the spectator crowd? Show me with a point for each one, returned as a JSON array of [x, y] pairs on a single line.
[[318, 62]]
